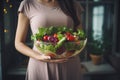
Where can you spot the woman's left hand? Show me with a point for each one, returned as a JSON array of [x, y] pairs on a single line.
[[56, 60], [62, 60]]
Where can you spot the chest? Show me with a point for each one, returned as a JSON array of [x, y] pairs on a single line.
[[45, 17], [50, 17]]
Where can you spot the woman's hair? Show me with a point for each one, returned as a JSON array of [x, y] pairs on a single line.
[[68, 7]]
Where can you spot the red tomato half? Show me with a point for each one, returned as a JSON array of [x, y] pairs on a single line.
[[70, 38], [45, 38]]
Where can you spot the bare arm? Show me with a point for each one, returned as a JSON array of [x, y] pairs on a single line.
[[22, 29], [21, 32]]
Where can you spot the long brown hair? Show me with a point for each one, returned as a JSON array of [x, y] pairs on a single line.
[[69, 9]]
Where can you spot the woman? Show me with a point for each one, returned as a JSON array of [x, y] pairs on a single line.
[[37, 13]]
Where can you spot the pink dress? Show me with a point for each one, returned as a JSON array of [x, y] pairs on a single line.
[[43, 16]]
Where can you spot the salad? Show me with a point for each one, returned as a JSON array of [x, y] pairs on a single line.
[[58, 41]]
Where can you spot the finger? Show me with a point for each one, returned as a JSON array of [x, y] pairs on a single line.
[[60, 61], [46, 57]]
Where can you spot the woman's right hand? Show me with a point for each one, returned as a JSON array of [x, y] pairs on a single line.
[[47, 58], [42, 57]]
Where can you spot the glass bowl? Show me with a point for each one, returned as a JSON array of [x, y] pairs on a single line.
[[67, 50]]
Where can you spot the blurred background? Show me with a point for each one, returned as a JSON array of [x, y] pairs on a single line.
[[100, 20]]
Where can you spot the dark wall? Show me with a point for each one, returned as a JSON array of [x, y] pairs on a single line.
[[115, 57], [1, 39], [118, 29]]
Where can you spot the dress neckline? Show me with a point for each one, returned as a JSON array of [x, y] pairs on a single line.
[[49, 7]]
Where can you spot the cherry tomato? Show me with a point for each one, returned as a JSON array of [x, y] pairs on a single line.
[[45, 38], [70, 38], [55, 35]]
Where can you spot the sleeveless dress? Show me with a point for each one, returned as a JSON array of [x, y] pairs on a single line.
[[44, 16]]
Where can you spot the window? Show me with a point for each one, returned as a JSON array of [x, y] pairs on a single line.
[[98, 14], [98, 21]]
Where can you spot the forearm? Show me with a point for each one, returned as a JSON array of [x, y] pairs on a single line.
[[25, 50], [20, 38]]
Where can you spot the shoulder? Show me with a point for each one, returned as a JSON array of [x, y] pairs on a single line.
[[23, 3], [26, 2], [24, 7]]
